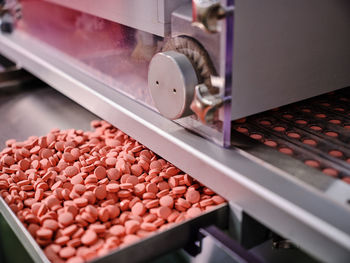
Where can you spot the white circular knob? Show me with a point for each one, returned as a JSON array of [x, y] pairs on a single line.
[[171, 80]]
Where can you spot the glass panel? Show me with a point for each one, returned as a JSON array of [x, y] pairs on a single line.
[[115, 54], [119, 56]]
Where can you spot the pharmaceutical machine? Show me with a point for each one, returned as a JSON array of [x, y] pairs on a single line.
[[249, 97]]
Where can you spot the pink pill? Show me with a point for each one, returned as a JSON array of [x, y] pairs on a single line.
[[316, 128], [138, 209], [331, 134], [77, 179], [179, 189], [50, 224], [152, 187], [136, 169], [100, 172], [112, 187], [218, 199], [113, 174], [65, 219], [312, 163], [111, 161], [279, 129], [100, 192], [148, 226], [192, 196], [129, 239], [139, 189], [89, 238], [68, 157], [44, 233], [98, 228], [293, 135], [330, 171], [256, 136], [267, 123], [286, 150], [113, 211], [193, 212], [166, 200], [103, 214], [164, 212], [336, 153], [117, 230], [131, 226], [69, 230], [76, 260], [126, 186], [132, 180], [310, 142]]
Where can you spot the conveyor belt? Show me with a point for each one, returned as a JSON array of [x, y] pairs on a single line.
[[314, 131]]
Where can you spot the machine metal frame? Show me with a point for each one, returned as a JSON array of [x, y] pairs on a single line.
[[303, 213]]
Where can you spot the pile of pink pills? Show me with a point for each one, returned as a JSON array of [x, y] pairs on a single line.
[[82, 194]]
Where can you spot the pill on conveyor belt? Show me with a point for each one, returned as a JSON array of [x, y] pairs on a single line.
[[293, 135], [286, 150], [316, 128], [331, 134], [335, 153], [312, 163], [82, 195], [330, 171], [270, 143], [256, 136], [302, 122], [279, 129], [310, 142]]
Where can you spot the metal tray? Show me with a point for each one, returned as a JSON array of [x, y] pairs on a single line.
[[159, 243]]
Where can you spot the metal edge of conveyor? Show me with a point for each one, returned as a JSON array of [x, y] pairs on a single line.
[[292, 209], [23, 235], [164, 241]]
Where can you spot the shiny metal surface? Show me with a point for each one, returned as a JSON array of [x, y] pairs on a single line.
[[26, 111], [284, 53], [206, 14], [152, 16], [204, 104], [286, 204], [168, 240], [219, 47], [171, 80]]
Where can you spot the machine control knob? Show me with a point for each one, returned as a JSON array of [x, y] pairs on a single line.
[[206, 13], [172, 80], [205, 104]]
